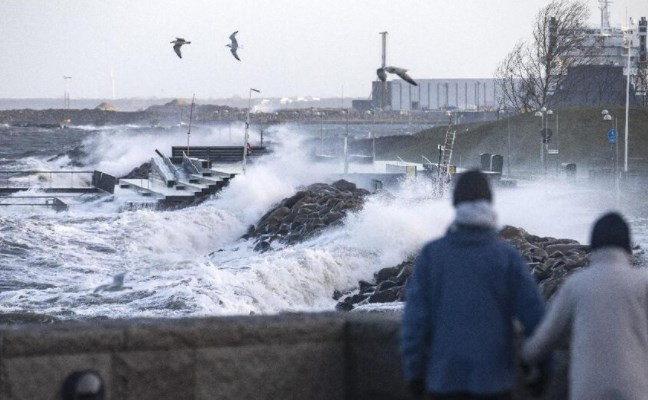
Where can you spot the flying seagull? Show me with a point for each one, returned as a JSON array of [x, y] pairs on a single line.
[[177, 44], [117, 284], [234, 46], [401, 72]]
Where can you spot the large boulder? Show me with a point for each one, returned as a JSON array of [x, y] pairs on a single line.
[[306, 213]]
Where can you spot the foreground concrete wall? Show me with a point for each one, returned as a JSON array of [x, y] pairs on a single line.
[[295, 356]]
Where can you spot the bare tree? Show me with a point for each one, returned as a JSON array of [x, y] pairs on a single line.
[[530, 73]]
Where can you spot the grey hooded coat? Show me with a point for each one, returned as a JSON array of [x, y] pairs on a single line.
[[605, 309]]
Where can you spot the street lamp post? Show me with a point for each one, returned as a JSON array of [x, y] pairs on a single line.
[[247, 126], [346, 144], [608, 116], [66, 93], [372, 134], [543, 113], [508, 143], [627, 109], [321, 115]]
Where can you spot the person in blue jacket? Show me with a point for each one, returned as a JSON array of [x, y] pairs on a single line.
[[464, 293]]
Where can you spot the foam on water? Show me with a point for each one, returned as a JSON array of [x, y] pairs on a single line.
[[192, 262]]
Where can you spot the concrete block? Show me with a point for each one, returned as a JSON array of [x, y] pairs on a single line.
[[298, 371], [155, 375], [29, 378], [67, 338]]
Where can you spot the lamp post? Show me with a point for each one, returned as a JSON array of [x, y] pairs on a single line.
[[608, 116], [321, 115], [627, 109], [346, 143], [372, 134], [543, 113], [247, 126], [66, 93]]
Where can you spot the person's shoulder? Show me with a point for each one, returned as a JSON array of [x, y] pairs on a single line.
[[505, 247], [435, 244]]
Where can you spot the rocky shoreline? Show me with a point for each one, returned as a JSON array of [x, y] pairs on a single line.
[[303, 215], [550, 261]]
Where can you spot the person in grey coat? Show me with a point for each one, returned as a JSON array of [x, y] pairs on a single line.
[[605, 310]]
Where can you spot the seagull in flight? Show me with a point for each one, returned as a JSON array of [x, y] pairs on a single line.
[[401, 72], [177, 44], [116, 285], [234, 46]]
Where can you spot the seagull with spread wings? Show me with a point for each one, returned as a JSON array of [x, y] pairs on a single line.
[[401, 72], [177, 44], [234, 45]]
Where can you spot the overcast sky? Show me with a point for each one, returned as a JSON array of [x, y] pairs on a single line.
[[290, 47]]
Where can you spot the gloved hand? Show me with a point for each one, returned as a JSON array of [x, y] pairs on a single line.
[[536, 377], [417, 387]]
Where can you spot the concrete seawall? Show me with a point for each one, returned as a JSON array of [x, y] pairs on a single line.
[[294, 356]]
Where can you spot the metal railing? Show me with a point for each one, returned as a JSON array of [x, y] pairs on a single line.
[[34, 201], [45, 179]]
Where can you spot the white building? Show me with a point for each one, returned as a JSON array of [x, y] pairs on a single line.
[[437, 94]]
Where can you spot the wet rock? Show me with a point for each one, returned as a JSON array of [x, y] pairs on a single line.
[[386, 296], [550, 261], [386, 273], [365, 287], [385, 285], [343, 306], [564, 248], [262, 246], [344, 186], [307, 213]]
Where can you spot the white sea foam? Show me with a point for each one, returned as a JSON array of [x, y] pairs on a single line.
[[53, 262]]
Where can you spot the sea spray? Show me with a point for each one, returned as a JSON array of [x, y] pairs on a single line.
[[193, 262]]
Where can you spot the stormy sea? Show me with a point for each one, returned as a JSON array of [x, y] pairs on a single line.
[[193, 261]]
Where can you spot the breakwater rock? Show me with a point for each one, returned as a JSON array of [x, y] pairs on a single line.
[[306, 213], [549, 260]]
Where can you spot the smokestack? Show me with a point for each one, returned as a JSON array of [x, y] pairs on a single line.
[[384, 48], [604, 6]]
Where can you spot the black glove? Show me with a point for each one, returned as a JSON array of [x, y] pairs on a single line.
[[536, 377], [417, 387]]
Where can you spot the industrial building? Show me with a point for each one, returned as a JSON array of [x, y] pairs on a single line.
[[435, 94]]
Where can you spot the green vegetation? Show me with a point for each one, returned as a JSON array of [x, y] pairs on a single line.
[[582, 138]]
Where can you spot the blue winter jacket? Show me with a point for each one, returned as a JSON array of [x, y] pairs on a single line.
[[464, 292]]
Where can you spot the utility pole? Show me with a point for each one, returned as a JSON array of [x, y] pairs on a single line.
[[66, 93]]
